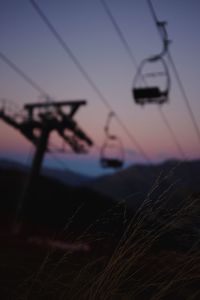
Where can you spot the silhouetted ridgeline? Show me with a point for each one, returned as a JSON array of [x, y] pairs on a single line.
[[52, 204], [135, 182], [65, 176]]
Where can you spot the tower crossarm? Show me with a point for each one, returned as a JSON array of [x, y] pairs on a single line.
[[73, 105], [9, 120]]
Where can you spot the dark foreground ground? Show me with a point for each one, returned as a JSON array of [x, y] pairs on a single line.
[[78, 244], [160, 263]]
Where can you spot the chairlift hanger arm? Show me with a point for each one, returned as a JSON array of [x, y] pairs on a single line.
[[107, 126], [161, 27]]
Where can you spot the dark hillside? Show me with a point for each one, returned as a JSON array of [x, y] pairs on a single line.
[[52, 205], [156, 258], [135, 182]]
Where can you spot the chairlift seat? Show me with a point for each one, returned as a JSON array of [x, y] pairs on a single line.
[[111, 163], [149, 94]]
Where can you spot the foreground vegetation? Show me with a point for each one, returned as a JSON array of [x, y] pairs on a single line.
[[155, 256]]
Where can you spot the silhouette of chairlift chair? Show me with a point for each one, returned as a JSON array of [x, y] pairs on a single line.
[[112, 142], [151, 93]]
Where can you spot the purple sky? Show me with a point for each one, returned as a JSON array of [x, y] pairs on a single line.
[[89, 33]]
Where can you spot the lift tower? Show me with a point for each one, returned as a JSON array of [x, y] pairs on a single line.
[[38, 122]]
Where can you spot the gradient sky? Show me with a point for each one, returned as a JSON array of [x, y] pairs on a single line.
[[84, 25]]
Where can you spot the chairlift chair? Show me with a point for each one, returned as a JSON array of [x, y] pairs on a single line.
[[108, 157], [151, 93], [111, 163]]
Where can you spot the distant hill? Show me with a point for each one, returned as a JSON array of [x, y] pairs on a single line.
[[69, 211], [136, 181], [132, 183], [65, 176], [12, 165]]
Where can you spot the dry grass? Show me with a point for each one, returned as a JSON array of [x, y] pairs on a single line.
[[157, 257], [141, 267]]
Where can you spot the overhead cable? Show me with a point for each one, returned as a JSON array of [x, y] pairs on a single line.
[[134, 61], [22, 74], [88, 78], [177, 76]]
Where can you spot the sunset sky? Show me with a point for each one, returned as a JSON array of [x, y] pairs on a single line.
[[86, 28]]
